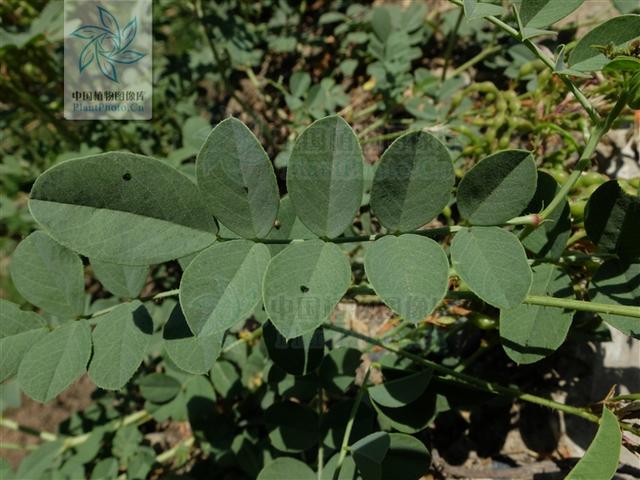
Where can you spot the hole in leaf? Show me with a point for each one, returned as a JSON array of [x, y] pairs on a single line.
[[126, 177], [304, 289], [246, 190], [277, 225]]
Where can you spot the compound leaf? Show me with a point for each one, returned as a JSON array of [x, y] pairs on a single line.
[[55, 361], [303, 284], [190, 353], [493, 263], [286, 468], [413, 181], [222, 285], [601, 458], [531, 332], [410, 273], [125, 281], [236, 177], [49, 275], [617, 31], [497, 188], [612, 220], [325, 176], [122, 208], [120, 342], [19, 330], [617, 282]]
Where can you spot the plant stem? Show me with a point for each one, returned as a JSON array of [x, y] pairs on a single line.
[[453, 35], [478, 383], [15, 426], [570, 304], [352, 417], [169, 454], [566, 303], [478, 58]]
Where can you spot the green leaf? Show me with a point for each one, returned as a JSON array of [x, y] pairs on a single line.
[[122, 208], [158, 387], [286, 468], [55, 361], [225, 378], [410, 273], [125, 281], [498, 188], [413, 181], [401, 390], [474, 9], [338, 368], [550, 238], [348, 470], [222, 285], [237, 178], [494, 265], [303, 284], [406, 454], [298, 356], [623, 63], [125, 442], [617, 31], [44, 457], [412, 417], [292, 427], [612, 220], [105, 469], [542, 13], [120, 343], [617, 282], [335, 420], [368, 454], [49, 275], [190, 353], [381, 23], [601, 458], [325, 176], [531, 332], [19, 330], [287, 226]]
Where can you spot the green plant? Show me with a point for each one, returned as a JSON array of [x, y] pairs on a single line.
[[252, 354]]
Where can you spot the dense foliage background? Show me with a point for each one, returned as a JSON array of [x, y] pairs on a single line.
[[278, 65]]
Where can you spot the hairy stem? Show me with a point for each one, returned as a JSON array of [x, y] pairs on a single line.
[[352, 417], [478, 58], [453, 35]]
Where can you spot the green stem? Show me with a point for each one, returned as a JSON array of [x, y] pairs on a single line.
[[450, 44], [169, 454], [478, 383], [385, 137], [570, 304], [15, 426], [474, 60], [352, 417]]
